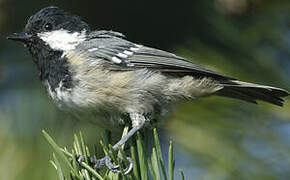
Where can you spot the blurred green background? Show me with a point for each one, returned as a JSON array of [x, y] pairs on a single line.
[[215, 138]]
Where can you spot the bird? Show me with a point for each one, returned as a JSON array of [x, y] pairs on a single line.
[[102, 76]]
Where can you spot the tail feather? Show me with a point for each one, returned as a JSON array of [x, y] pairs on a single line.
[[252, 92]]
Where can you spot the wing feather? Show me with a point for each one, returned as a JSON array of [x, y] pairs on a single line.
[[123, 55]]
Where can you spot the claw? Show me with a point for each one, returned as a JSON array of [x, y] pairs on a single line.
[[110, 165], [79, 158], [115, 168], [130, 167]]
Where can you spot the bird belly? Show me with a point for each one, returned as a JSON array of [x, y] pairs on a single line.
[[78, 103]]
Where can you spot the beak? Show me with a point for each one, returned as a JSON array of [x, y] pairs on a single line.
[[22, 37]]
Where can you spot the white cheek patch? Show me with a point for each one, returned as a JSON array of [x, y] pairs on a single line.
[[62, 40]]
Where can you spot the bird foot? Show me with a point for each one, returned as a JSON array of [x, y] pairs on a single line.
[[99, 163], [116, 168]]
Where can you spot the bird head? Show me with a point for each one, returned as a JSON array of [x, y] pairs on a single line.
[[52, 29]]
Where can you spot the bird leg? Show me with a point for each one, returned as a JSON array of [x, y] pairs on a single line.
[[138, 122]]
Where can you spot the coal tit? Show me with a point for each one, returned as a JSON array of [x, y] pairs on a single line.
[[101, 76]]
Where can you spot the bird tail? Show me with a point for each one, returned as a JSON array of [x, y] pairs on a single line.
[[252, 92]]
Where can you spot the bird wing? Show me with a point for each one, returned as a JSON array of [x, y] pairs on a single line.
[[118, 54], [123, 55]]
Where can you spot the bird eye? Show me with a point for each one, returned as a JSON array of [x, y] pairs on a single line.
[[48, 27]]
